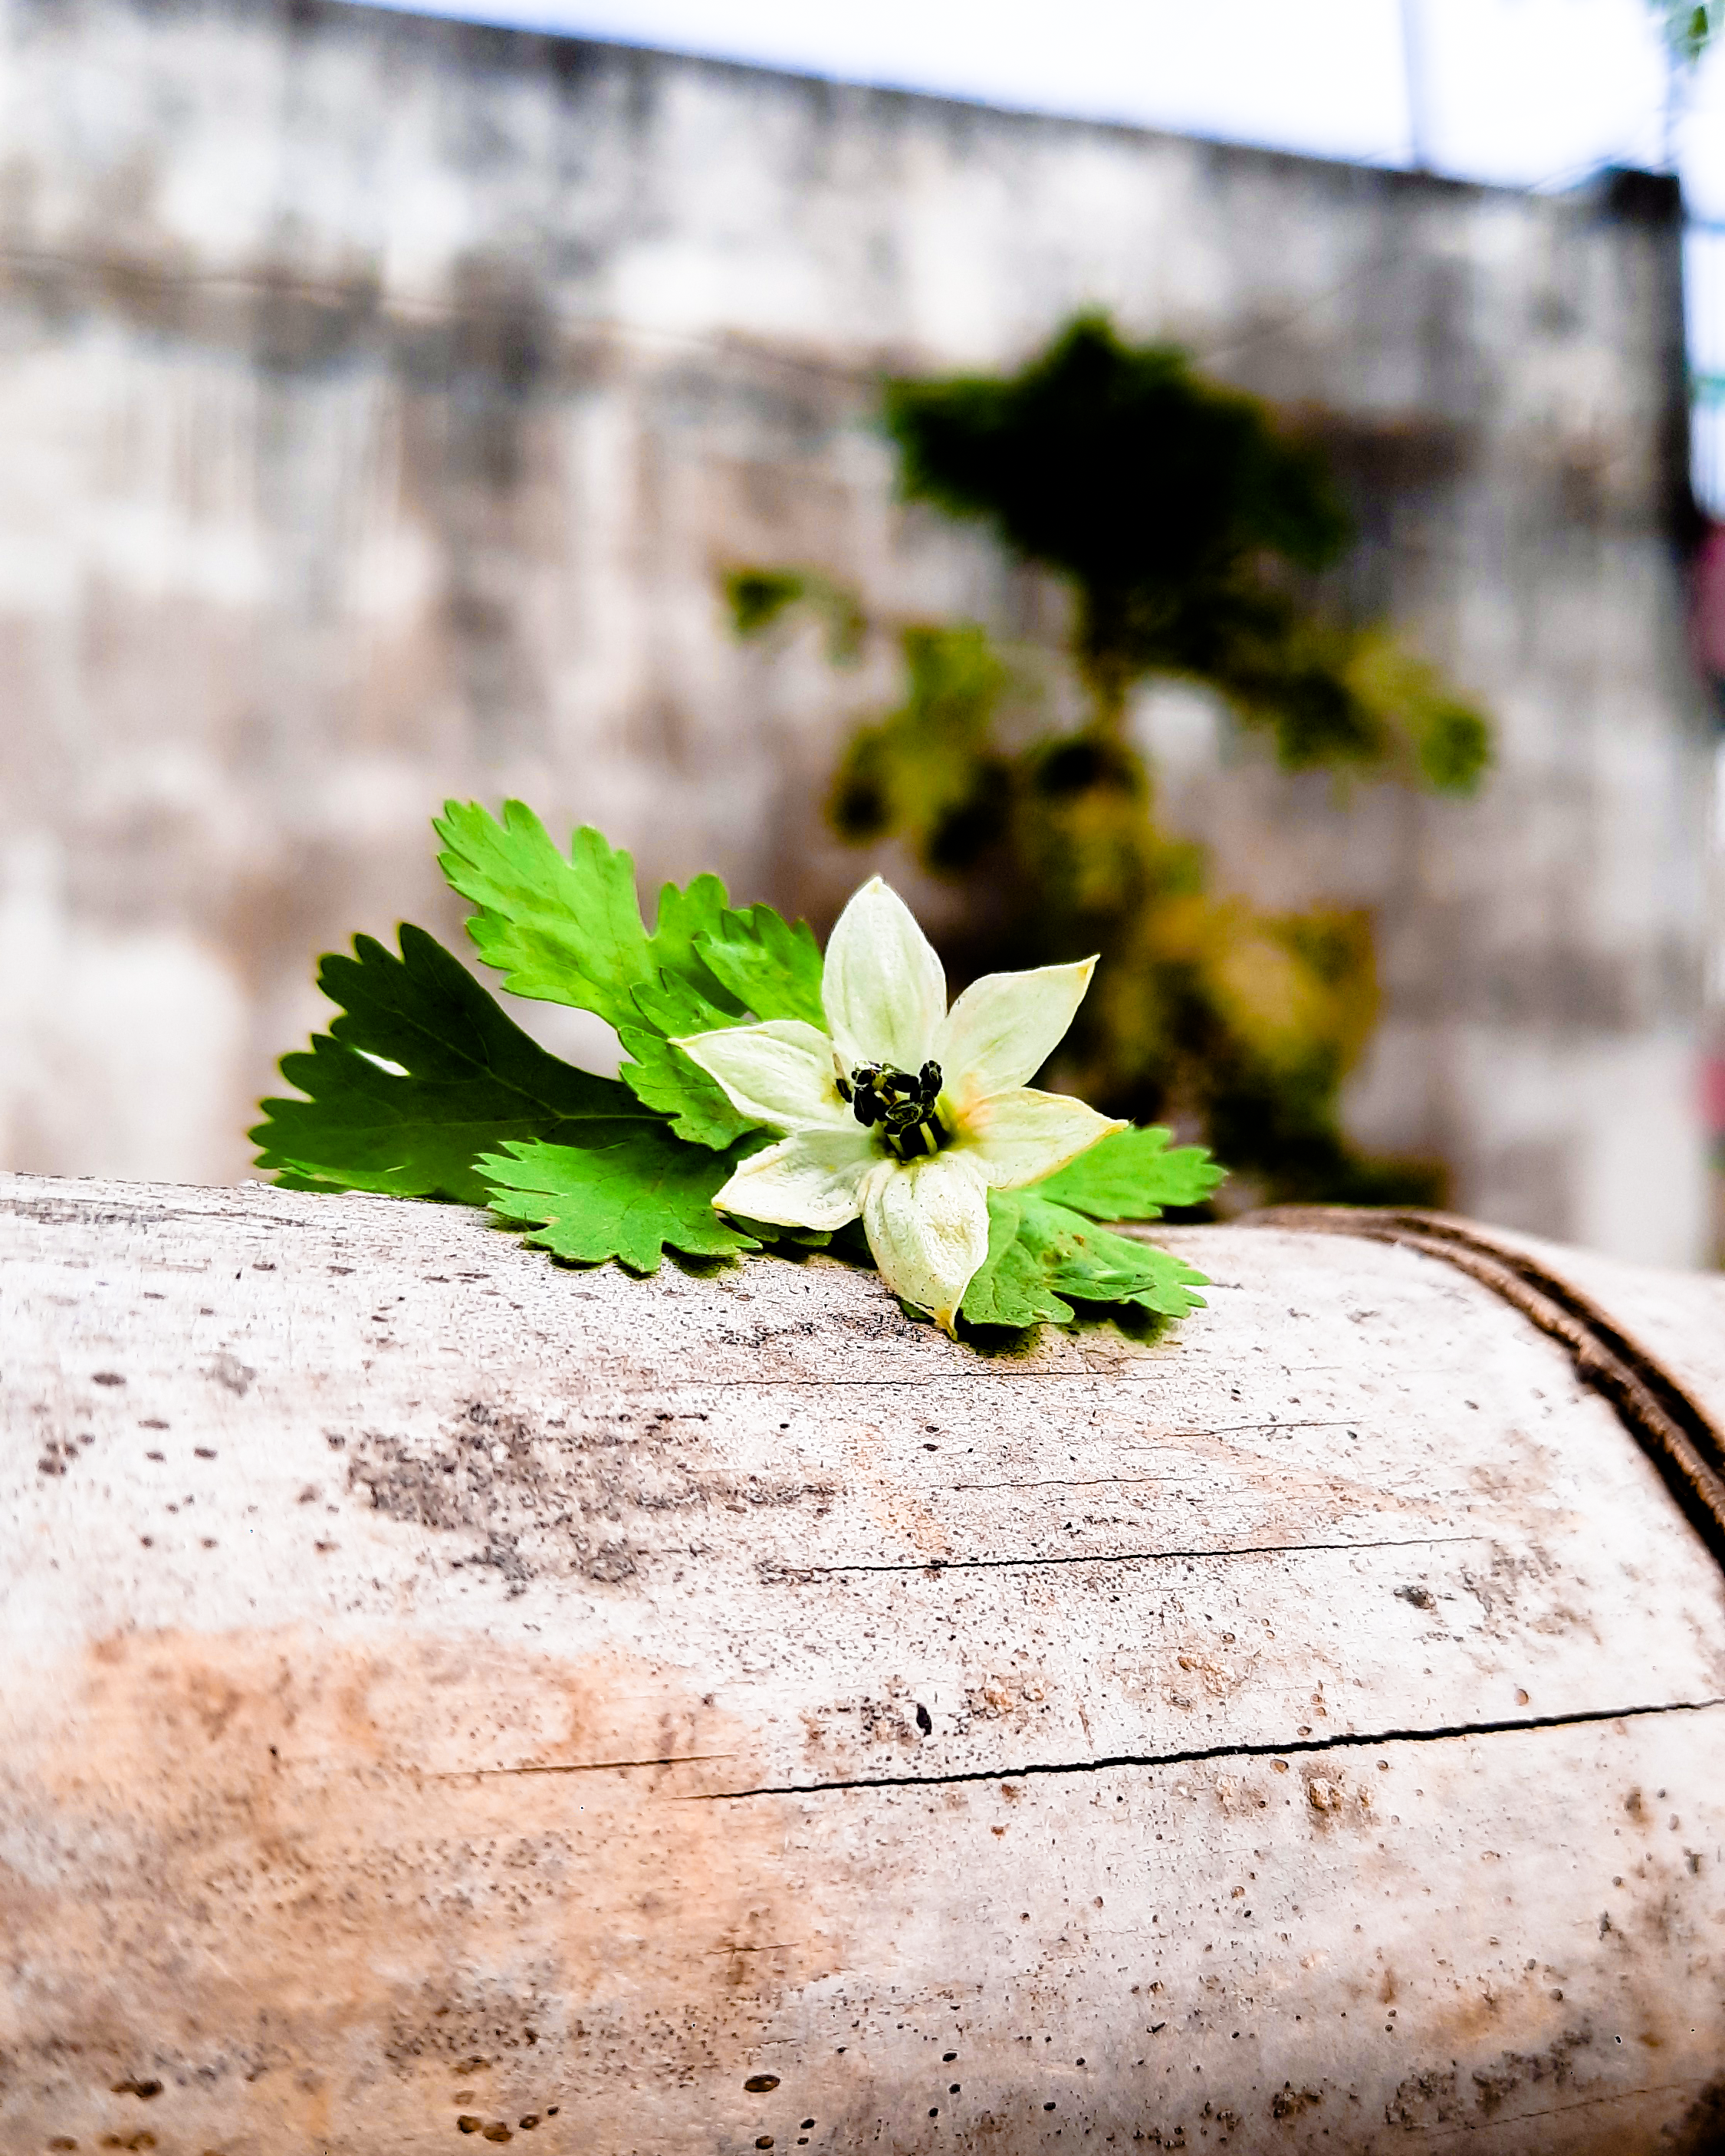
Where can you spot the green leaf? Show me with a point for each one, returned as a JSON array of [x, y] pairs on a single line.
[[631, 1195], [465, 1078], [1454, 748], [686, 922], [1091, 1263], [767, 964], [1010, 1287], [799, 1239], [562, 929], [755, 962], [665, 1078], [1043, 1257], [1130, 1175], [758, 598], [568, 929]]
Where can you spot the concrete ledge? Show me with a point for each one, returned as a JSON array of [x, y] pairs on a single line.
[[448, 1693]]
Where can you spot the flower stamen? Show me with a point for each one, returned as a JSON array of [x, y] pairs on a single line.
[[903, 1106]]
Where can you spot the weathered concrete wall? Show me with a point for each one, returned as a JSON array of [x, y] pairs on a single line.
[[381, 397]]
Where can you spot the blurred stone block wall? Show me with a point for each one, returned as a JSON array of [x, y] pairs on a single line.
[[381, 400]]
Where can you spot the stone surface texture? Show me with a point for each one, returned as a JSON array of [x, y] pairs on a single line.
[[444, 1693], [384, 398]]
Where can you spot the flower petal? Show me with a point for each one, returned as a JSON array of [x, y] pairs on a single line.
[[882, 987], [1005, 1026], [782, 1072], [811, 1180], [1022, 1135], [927, 1225]]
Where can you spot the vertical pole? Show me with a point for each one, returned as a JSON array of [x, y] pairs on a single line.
[[1413, 75], [1712, 1038], [1674, 73]]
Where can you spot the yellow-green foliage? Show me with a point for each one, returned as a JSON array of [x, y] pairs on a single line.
[[1690, 26], [1189, 530]]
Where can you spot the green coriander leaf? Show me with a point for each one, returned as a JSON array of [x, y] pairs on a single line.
[[673, 1006], [1039, 1253], [686, 922], [665, 1078], [560, 929], [568, 929], [1130, 1175], [1091, 1263], [768, 964], [757, 960], [632, 1196], [1080, 1259], [464, 1077], [1010, 1287], [772, 1232]]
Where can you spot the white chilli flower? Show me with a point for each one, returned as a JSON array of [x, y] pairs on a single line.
[[904, 1111]]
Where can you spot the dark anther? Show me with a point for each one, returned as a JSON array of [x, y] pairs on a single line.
[[861, 1092], [904, 1107]]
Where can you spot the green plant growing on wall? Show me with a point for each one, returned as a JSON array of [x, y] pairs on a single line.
[[1690, 26], [1190, 531]]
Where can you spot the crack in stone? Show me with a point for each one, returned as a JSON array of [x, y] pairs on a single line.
[[582, 1766], [1201, 1755], [1112, 1557], [1171, 1437], [1082, 1482], [1555, 2110]]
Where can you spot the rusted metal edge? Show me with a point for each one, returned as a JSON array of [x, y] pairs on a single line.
[[1683, 1441]]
